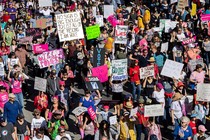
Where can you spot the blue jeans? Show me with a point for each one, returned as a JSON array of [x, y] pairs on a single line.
[[136, 89], [19, 98], [5, 59]]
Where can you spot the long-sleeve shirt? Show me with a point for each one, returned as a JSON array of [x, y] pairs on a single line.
[[11, 111], [134, 76]]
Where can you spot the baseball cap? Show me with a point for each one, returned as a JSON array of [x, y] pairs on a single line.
[[106, 107], [202, 128], [61, 83]]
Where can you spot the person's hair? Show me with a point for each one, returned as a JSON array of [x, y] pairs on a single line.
[[201, 137], [132, 65], [64, 138], [102, 130], [40, 131], [11, 54]]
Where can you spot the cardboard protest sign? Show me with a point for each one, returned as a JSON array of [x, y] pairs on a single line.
[[146, 72], [50, 58], [181, 5], [169, 25], [93, 83], [192, 63], [35, 32], [173, 1], [113, 120], [100, 20], [69, 26], [40, 84], [92, 32], [189, 40], [92, 113], [40, 48], [203, 92], [153, 110], [79, 110], [121, 34], [164, 47], [119, 69], [45, 3], [101, 72], [1, 69], [172, 69], [205, 17], [98, 56], [44, 22], [108, 10]]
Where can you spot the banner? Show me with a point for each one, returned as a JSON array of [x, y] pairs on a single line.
[[189, 40], [40, 48], [69, 26], [98, 56], [1, 69], [79, 110], [119, 69], [121, 34], [35, 32], [205, 17], [44, 22], [50, 58], [93, 83], [108, 10], [92, 32], [45, 3], [40, 84], [101, 72], [172, 69], [146, 72], [203, 92], [153, 110], [192, 64], [100, 20], [91, 112]]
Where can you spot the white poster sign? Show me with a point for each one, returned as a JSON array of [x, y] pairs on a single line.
[[133, 112], [100, 20], [121, 34], [173, 1], [170, 25], [203, 92], [119, 69], [69, 26], [153, 110], [1, 69], [94, 11], [146, 72], [108, 10], [113, 120], [40, 84], [164, 47], [45, 3], [79, 110], [172, 69], [192, 63]]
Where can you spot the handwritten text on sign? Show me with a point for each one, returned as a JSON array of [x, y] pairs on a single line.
[[49, 58], [69, 26], [40, 48], [121, 34], [153, 110], [146, 72], [203, 92], [119, 69], [92, 32], [92, 113], [40, 84], [101, 72]]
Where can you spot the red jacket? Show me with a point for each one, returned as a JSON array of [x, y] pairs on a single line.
[[134, 76]]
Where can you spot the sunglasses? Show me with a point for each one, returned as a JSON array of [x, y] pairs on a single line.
[[62, 132], [36, 114]]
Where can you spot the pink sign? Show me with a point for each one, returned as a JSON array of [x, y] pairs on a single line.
[[92, 113], [40, 48], [101, 72], [188, 41], [209, 28], [50, 58], [205, 17]]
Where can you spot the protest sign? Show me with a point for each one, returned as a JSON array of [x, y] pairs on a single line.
[[50, 58], [173, 1], [162, 23], [169, 25], [45, 3], [1, 69], [92, 113], [203, 92], [209, 28], [192, 63], [113, 120], [119, 69], [101, 72], [94, 11], [194, 9], [205, 17], [25, 40], [92, 32], [40, 48], [146, 72], [189, 40], [40, 84], [100, 20], [172, 69], [108, 10], [164, 47], [35, 32], [44, 22], [181, 5], [98, 56], [121, 34], [153, 110], [69, 26], [79, 110], [93, 83], [133, 112]]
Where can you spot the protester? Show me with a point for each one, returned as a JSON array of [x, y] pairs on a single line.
[[7, 130]]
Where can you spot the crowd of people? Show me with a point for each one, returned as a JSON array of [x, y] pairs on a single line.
[[121, 118]]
